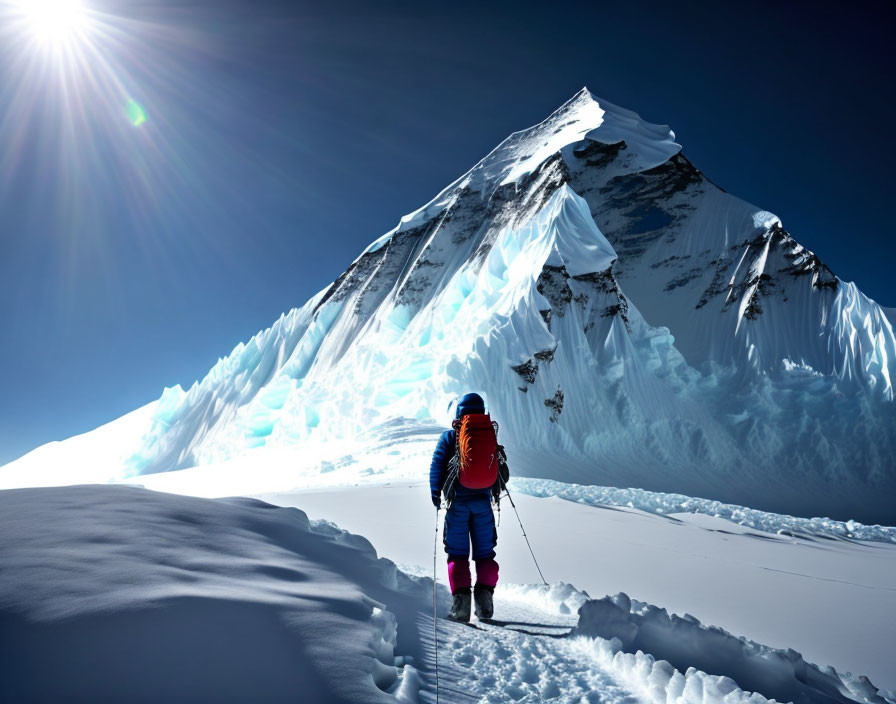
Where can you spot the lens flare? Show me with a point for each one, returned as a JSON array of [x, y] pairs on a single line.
[[136, 113], [116, 117], [54, 22]]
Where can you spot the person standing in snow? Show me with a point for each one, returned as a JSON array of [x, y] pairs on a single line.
[[470, 468]]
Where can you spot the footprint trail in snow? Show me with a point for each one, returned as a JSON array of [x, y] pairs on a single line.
[[522, 655], [554, 644]]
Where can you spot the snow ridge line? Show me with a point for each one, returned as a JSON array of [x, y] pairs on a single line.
[[663, 504], [621, 648], [630, 627]]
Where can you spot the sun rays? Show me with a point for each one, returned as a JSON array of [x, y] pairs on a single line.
[[53, 23]]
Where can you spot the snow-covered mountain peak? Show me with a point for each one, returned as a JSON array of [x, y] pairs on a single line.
[[630, 323], [582, 116]]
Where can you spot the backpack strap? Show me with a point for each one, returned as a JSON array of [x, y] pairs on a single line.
[[503, 476], [450, 485]]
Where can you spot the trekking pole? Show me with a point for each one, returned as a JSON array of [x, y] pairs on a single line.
[[435, 625], [524, 533]]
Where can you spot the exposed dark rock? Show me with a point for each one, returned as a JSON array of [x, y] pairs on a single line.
[[598, 154], [610, 311], [804, 262], [603, 281], [668, 261], [552, 285], [718, 285], [779, 244], [535, 190], [546, 355], [753, 309], [528, 370], [685, 278], [555, 403], [645, 206]]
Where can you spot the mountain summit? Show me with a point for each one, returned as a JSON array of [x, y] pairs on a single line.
[[630, 323]]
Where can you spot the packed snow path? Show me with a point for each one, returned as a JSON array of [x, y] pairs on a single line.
[[520, 656], [616, 650]]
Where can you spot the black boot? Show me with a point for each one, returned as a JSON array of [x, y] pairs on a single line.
[[460, 609], [485, 606]]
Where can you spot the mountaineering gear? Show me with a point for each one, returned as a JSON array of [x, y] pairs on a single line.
[[525, 537], [471, 403], [485, 607], [435, 626], [503, 476], [445, 469], [447, 448], [477, 451], [486, 573], [470, 467], [459, 573], [460, 609], [466, 519]]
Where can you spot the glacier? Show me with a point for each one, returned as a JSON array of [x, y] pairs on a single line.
[[630, 323]]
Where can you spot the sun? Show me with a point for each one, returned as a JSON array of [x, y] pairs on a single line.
[[54, 23]]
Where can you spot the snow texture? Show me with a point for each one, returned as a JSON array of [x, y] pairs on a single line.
[[803, 592], [671, 504], [112, 593], [630, 323], [683, 642]]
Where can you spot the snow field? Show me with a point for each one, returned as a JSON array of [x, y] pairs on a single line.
[[111, 593], [671, 504], [684, 642], [808, 593], [105, 587], [617, 650]]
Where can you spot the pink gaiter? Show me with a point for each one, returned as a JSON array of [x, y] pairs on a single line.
[[487, 572], [459, 573]]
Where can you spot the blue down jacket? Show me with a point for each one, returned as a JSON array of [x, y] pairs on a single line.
[[445, 450]]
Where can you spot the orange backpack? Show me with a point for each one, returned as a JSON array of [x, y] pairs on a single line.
[[477, 451]]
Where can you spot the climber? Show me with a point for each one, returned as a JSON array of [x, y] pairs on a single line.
[[469, 469]]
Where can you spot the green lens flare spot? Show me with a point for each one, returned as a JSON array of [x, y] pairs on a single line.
[[136, 113]]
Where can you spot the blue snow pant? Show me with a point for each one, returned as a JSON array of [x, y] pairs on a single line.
[[470, 518]]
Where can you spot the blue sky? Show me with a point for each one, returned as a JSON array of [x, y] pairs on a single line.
[[281, 138]]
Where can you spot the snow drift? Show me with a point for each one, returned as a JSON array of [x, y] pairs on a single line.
[[631, 324], [671, 504], [117, 593], [112, 593], [737, 663]]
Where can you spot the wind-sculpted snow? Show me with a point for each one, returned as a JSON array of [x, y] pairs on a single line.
[[618, 650], [684, 643], [630, 323], [112, 592], [669, 504], [117, 593]]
